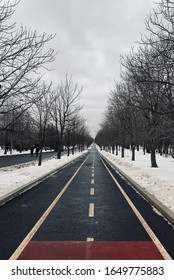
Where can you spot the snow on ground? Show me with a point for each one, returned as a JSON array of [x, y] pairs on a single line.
[[157, 181], [14, 152], [13, 177]]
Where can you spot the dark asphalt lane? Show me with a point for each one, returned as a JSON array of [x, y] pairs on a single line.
[[19, 215], [10, 160], [160, 226], [111, 219]]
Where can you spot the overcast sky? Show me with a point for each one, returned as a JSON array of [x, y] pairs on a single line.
[[91, 36]]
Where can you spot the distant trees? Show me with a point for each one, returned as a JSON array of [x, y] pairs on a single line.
[[54, 121], [32, 112], [143, 102], [18, 127], [70, 137], [65, 107]]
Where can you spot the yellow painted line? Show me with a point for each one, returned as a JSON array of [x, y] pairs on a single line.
[[89, 239], [152, 235], [92, 181], [29, 236], [92, 191], [91, 210]]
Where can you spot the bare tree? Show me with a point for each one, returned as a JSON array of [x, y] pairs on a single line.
[[127, 117], [23, 60], [64, 105], [148, 83], [146, 92], [41, 112], [71, 130]]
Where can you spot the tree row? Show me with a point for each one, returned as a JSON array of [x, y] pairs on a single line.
[[33, 111], [140, 109]]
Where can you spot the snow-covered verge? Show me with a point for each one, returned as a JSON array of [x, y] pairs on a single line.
[[157, 181], [14, 177]]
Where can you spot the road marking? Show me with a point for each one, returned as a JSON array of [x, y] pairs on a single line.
[[89, 239], [91, 210], [92, 191], [92, 181], [29, 236], [152, 235], [92, 174]]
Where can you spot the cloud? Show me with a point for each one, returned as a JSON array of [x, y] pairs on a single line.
[[91, 36]]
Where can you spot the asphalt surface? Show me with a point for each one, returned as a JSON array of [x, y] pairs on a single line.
[[9, 160], [91, 208]]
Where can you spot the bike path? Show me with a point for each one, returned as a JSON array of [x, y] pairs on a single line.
[[92, 220]]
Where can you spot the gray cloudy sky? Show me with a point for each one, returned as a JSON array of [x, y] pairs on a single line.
[[91, 35]]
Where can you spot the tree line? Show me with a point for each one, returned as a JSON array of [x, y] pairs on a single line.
[[140, 109], [33, 111]]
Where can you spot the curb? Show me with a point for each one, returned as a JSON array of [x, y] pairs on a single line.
[[10, 195], [165, 211]]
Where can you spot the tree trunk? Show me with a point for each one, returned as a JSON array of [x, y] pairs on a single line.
[[148, 149], [133, 152], [11, 145], [166, 151], [68, 151], [60, 146], [113, 149], [122, 151], [73, 150], [20, 145], [59, 152], [6, 145], [116, 150], [153, 157], [122, 148], [40, 158]]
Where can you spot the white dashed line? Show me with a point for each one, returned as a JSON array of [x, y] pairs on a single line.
[[92, 181], [92, 191], [89, 239], [91, 210]]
